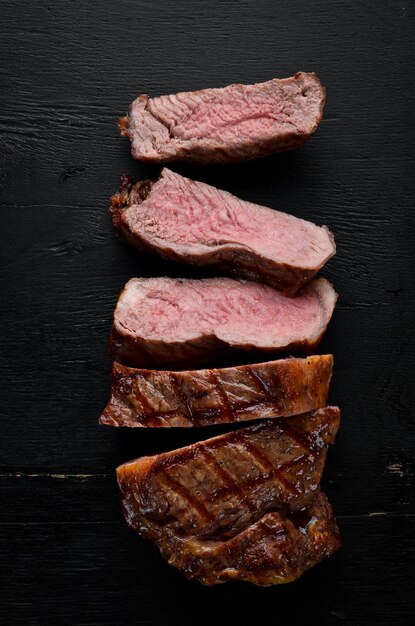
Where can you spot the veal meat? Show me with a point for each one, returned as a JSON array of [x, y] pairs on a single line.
[[156, 399], [245, 505], [191, 222], [234, 123], [183, 322]]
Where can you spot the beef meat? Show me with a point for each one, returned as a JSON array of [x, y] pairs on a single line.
[[156, 399], [165, 321], [188, 221], [235, 123], [244, 505]]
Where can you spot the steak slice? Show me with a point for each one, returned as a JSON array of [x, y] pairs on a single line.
[[156, 399], [243, 505], [165, 321], [234, 123], [188, 221]]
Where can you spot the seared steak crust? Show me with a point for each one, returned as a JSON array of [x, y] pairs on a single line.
[[234, 123], [277, 549], [158, 399], [244, 505], [188, 221]]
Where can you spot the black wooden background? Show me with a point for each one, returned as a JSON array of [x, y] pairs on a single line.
[[68, 70]]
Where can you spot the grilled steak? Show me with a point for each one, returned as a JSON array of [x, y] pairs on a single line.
[[188, 221], [165, 321], [156, 399], [244, 505], [235, 123]]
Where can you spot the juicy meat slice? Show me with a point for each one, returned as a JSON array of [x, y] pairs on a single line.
[[165, 321], [234, 123], [188, 221], [156, 399], [243, 505]]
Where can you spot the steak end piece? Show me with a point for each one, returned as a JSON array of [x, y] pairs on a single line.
[[234, 123], [160, 399], [277, 549], [188, 221], [245, 505], [182, 322]]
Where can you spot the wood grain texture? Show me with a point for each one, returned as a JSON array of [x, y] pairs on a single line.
[[67, 71], [89, 575]]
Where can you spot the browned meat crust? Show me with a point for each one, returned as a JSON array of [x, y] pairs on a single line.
[[244, 505], [158, 399]]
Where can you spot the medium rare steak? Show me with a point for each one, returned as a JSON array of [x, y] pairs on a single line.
[[235, 123], [156, 399], [183, 322], [188, 221], [245, 505]]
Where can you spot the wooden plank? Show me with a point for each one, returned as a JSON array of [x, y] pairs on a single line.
[[67, 71], [59, 113], [76, 574], [89, 498]]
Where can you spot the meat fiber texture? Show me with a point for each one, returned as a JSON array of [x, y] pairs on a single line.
[[160, 399], [235, 123], [245, 505], [191, 222], [184, 322]]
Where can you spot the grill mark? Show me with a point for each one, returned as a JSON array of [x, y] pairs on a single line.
[[236, 437], [276, 473], [259, 383], [148, 411], [187, 454], [202, 417], [231, 487], [224, 412], [273, 472], [259, 457], [185, 493], [295, 461], [182, 397], [301, 441], [228, 482], [148, 416], [227, 410]]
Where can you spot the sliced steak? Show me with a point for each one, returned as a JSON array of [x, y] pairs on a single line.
[[183, 322], [235, 123], [244, 505], [191, 222], [156, 399]]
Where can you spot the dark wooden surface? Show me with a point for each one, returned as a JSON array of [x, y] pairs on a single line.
[[68, 69]]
